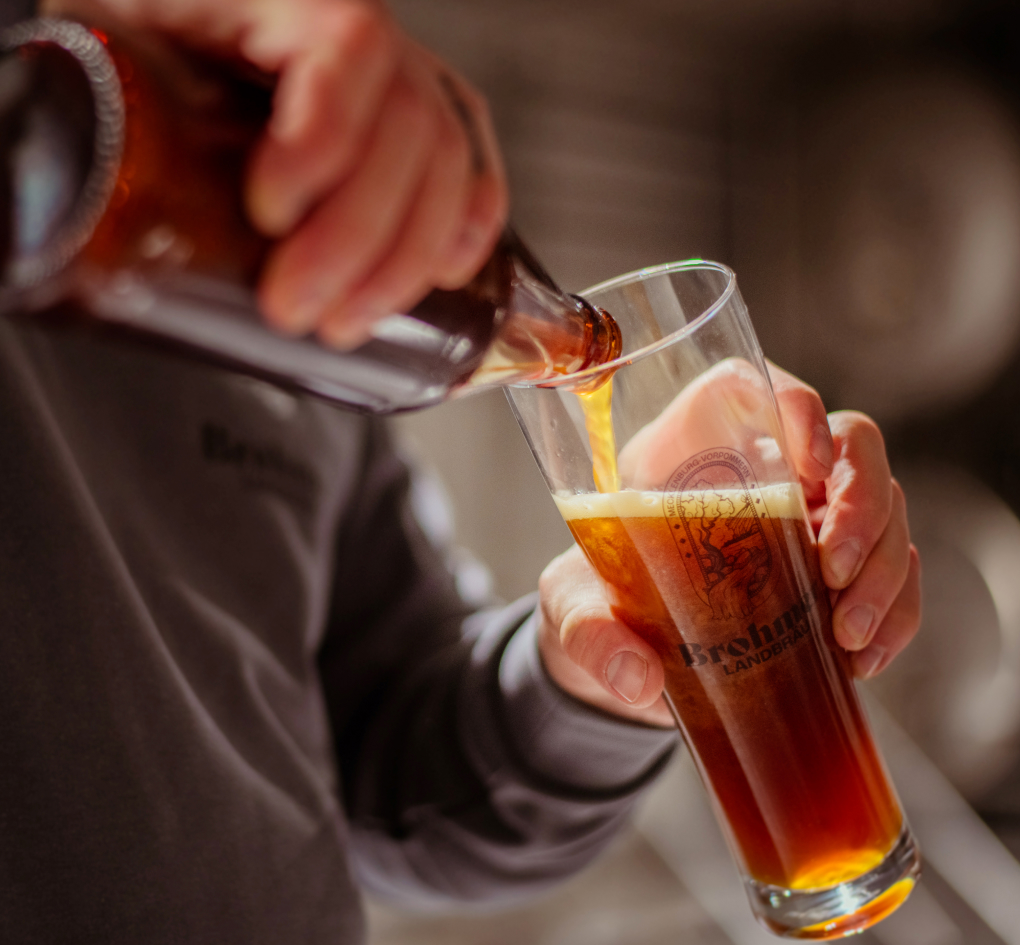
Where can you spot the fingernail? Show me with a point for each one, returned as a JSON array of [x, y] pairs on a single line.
[[275, 209], [856, 623], [821, 446], [843, 560], [342, 336], [868, 661], [303, 316], [299, 312], [626, 673], [346, 333]]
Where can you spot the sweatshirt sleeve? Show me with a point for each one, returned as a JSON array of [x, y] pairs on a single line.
[[466, 773]]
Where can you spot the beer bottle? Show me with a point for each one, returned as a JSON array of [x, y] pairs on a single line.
[[121, 162]]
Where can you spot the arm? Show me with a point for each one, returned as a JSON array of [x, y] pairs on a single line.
[[467, 774]]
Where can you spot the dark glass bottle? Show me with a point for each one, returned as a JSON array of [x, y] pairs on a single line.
[[121, 160]]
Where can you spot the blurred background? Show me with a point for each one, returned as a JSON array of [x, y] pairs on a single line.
[[857, 165]]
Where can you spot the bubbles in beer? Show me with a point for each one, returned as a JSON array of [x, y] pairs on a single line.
[[756, 681]]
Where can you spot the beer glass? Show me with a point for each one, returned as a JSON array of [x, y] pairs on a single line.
[[670, 468]]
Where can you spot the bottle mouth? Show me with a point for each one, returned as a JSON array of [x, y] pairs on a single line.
[[596, 296], [607, 343], [62, 137]]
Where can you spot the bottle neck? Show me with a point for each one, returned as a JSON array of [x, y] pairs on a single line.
[[543, 332]]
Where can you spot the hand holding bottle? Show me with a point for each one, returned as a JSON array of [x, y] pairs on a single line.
[[379, 171]]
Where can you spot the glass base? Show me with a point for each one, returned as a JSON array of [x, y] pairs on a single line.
[[837, 911]]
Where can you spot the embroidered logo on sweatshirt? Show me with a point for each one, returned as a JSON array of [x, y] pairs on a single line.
[[260, 465]]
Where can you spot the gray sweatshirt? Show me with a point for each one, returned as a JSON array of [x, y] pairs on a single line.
[[237, 682]]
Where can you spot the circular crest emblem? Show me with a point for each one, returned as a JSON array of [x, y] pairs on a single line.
[[714, 510]]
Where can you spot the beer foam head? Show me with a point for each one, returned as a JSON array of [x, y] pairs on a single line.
[[779, 500]]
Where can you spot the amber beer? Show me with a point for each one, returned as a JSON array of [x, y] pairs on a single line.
[[722, 580]]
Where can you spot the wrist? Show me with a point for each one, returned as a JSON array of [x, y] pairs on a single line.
[[567, 740]]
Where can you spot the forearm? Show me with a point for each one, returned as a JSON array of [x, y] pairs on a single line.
[[503, 785], [466, 772]]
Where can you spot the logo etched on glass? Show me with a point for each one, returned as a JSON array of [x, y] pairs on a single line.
[[713, 508]]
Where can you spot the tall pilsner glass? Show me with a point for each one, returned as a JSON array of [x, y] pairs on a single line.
[[702, 539]]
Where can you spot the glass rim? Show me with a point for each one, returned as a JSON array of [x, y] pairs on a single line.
[[642, 275]]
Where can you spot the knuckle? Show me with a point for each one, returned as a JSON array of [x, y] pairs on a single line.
[[405, 101], [361, 29], [572, 563], [864, 429], [549, 573], [812, 401], [426, 119], [802, 410], [913, 626], [874, 512], [914, 579], [477, 102], [551, 578], [467, 93], [573, 637], [795, 388], [904, 630], [491, 202], [412, 113], [501, 206], [452, 144], [899, 502]]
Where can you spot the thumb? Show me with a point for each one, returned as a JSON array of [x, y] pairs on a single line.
[[588, 651]]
